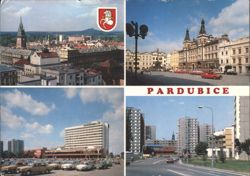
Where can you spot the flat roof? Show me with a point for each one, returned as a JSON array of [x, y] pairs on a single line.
[[6, 68]]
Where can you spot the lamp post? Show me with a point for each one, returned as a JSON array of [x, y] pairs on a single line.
[[133, 31], [212, 112]]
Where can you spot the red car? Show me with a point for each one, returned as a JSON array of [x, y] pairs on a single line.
[[211, 76]]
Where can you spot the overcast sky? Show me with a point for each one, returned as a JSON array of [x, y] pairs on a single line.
[[56, 15], [39, 115], [168, 20]]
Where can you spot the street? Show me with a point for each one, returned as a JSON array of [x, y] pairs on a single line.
[[159, 167], [169, 78]]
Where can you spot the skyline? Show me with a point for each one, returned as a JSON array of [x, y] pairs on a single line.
[[168, 20], [40, 16], [31, 114], [164, 112]]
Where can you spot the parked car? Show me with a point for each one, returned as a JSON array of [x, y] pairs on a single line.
[[101, 165], [70, 165], [55, 165], [181, 71], [231, 72], [195, 72], [34, 168], [85, 166], [108, 162], [211, 75], [117, 161], [12, 168]]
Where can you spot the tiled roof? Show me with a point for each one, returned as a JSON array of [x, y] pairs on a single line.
[[47, 54]]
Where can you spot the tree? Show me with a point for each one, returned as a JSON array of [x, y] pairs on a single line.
[[237, 146], [246, 147], [222, 155], [201, 148], [7, 154]]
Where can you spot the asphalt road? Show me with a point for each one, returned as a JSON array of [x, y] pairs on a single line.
[[115, 170], [158, 167], [168, 78]]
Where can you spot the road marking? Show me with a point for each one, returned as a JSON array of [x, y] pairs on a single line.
[[156, 162], [198, 171], [139, 161], [177, 172]]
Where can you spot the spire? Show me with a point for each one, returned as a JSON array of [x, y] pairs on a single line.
[[21, 32], [202, 29], [187, 38], [173, 137]]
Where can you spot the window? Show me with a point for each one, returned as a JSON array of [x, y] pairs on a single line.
[[239, 60], [234, 60], [227, 61], [226, 52], [239, 50], [233, 51], [246, 50], [246, 60], [222, 53]]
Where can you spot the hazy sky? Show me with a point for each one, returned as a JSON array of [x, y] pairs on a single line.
[[168, 19], [164, 112], [56, 15], [39, 115]]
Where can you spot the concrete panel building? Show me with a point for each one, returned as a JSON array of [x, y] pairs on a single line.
[[16, 146], [205, 132], [1, 148], [187, 135], [94, 135], [150, 132], [135, 130], [242, 122]]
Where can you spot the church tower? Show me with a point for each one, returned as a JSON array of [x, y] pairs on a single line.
[[202, 37], [21, 37], [187, 41]]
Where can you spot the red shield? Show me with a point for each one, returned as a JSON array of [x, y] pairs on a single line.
[[106, 18]]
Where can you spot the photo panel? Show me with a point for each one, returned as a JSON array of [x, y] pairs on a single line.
[[194, 42], [62, 131], [187, 135], [62, 42]]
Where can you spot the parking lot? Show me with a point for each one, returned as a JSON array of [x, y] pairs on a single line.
[[115, 170], [60, 167]]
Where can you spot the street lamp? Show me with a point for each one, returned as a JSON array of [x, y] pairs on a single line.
[[211, 109], [132, 31]]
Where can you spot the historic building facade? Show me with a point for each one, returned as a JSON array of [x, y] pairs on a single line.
[[234, 55], [148, 60], [200, 53]]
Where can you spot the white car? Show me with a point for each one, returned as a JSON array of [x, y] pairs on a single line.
[[85, 166], [68, 166]]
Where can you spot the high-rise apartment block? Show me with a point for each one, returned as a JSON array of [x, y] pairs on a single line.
[[242, 122], [16, 146], [187, 135], [150, 132], [135, 138], [205, 132]]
